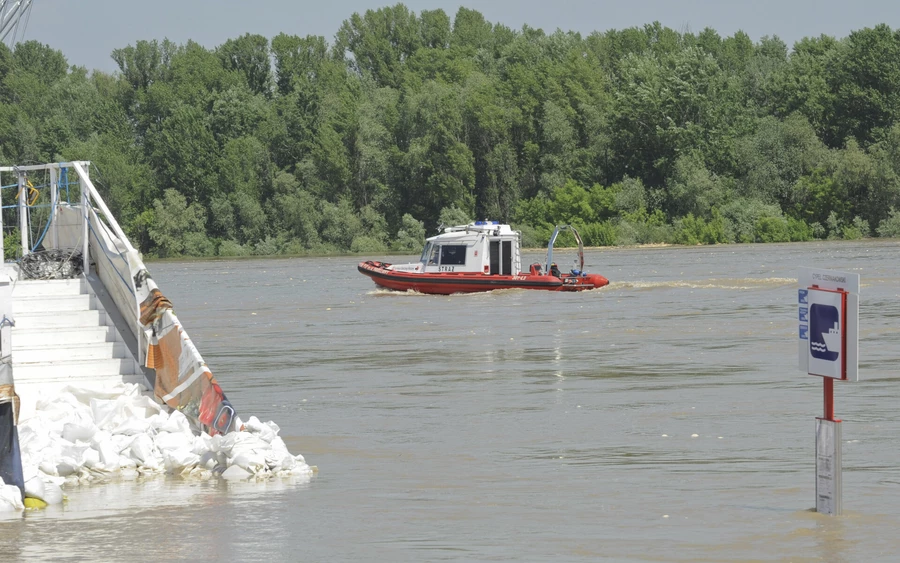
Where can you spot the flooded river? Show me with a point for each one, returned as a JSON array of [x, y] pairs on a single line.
[[661, 418]]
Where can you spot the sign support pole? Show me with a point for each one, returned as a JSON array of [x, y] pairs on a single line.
[[828, 386], [829, 465]]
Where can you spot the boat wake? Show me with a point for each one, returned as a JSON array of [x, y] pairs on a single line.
[[381, 291], [713, 283]]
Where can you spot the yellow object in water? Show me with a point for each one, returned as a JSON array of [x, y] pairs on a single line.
[[34, 503]]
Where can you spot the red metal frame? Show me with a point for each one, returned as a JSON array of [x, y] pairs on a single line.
[[828, 382]]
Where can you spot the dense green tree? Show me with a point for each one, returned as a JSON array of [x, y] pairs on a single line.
[[375, 152], [298, 60], [178, 228], [638, 135], [440, 166], [184, 153], [296, 211], [890, 226], [380, 42], [411, 235], [248, 55], [471, 30], [144, 63], [693, 189], [44, 62], [865, 78], [776, 156]]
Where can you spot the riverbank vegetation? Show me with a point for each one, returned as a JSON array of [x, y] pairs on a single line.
[[404, 121]]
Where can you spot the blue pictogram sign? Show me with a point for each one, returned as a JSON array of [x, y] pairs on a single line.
[[804, 314], [802, 296], [824, 332], [804, 332]]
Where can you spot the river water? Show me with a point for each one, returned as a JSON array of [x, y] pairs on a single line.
[[661, 418]]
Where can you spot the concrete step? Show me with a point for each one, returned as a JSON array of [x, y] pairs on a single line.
[[95, 351], [36, 288], [62, 319], [55, 303], [23, 338], [73, 370], [63, 336]]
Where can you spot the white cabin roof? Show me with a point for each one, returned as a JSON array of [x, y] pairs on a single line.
[[459, 232]]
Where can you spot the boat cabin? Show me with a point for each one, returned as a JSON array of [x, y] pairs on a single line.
[[484, 247]]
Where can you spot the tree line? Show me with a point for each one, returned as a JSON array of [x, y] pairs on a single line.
[[298, 145]]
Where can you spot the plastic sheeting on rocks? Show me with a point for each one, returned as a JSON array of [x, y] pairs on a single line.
[[82, 435]]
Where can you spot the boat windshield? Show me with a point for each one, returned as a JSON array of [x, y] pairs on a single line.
[[444, 254], [453, 254]]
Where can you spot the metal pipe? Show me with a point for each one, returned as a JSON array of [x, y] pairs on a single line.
[[87, 186], [85, 232], [23, 217], [54, 201]]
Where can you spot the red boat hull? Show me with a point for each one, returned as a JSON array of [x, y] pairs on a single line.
[[446, 283]]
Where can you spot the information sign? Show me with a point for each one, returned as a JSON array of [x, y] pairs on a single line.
[[827, 334], [828, 315]]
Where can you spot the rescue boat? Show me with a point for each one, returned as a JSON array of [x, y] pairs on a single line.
[[481, 256]]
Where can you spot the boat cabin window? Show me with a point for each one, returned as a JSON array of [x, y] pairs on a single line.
[[444, 254], [453, 254]]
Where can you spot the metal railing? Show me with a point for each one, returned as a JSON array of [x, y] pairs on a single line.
[[88, 226], [182, 379]]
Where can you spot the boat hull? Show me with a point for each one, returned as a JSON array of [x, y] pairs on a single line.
[[447, 283]]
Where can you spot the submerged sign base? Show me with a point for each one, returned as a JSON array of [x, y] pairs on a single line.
[[828, 467]]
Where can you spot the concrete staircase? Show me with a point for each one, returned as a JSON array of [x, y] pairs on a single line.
[[64, 336]]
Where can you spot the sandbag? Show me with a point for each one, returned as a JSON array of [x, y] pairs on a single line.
[[10, 498]]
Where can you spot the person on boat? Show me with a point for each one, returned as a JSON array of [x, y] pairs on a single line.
[[554, 270]]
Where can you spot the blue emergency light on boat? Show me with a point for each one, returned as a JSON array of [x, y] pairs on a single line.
[[487, 222]]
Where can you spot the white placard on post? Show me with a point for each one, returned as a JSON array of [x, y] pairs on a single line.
[[826, 297]]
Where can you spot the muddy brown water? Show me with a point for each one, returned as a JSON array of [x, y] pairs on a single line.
[[520, 425]]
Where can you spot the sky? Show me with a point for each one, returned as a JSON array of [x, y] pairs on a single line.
[[87, 31]]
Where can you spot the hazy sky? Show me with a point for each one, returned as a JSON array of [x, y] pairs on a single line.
[[87, 31]]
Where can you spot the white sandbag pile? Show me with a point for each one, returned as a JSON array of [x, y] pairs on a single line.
[[83, 435], [10, 498]]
